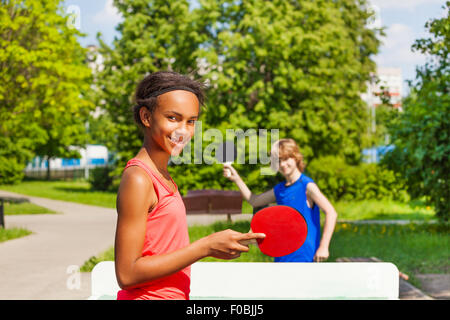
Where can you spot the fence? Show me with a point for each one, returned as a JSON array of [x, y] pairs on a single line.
[[60, 173]]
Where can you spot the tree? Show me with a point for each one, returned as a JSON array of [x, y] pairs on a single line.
[[296, 66], [385, 115], [421, 134], [155, 35], [44, 79]]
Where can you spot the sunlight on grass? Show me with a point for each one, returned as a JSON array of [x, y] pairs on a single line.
[[384, 210], [72, 191], [13, 233], [25, 208], [107, 255], [413, 248]]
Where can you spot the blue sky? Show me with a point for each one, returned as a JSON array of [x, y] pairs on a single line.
[[404, 21]]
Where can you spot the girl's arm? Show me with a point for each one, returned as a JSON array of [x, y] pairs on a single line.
[[136, 194], [313, 193], [255, 201]]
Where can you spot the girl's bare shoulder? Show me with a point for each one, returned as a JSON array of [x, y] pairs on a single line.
[[136, 187], [136, 175]]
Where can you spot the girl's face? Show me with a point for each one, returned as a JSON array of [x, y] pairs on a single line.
[[172, 123]]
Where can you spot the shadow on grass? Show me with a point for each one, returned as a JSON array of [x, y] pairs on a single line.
[[73, 189], [80, 189], [402, 216]]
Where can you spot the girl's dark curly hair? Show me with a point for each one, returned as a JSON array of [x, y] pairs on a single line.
[[153, 83]]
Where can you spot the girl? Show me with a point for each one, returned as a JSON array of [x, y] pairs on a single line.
[[153, 253], [299, 192]]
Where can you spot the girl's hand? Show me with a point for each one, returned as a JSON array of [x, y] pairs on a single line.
[[230, 172], [225, 244], [322, 254]]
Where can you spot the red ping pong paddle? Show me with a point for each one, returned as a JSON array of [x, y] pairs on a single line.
[[285, 229]]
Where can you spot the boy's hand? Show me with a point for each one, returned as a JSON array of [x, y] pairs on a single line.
[[233, 174], [322, 254]]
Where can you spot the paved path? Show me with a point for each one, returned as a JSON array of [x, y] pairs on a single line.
[[36, 266], [39, 266]]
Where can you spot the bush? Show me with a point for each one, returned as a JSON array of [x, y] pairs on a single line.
[[341, 181], [11, 171], [100, 178]]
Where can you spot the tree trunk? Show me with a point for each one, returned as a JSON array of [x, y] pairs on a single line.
[[48, 169]]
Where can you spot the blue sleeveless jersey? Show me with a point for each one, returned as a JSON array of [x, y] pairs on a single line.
[[295, 196]]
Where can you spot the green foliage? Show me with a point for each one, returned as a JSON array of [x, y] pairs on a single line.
[[421, 133], [107, 255], [296, 66], [155, 35], [101, 129], [11, 172], [100, 178], [341, 181], [299, 67], [386, 115], [43, 81]]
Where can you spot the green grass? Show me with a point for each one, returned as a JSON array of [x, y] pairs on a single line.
[[107, 255], [72, 191], [13, 233], [25, 208], [384, 210], [80, 191], [413, 248], [246, 207]]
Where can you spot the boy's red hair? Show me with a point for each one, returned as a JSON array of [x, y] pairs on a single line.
[[288, 148]]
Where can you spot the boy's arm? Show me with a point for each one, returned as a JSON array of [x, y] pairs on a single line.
[[255, 201], [313, 192]]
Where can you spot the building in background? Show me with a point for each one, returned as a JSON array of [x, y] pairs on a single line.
[[91, 157], [387, 82]]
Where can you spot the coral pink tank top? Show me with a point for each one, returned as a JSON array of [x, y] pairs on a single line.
[[166, 231]]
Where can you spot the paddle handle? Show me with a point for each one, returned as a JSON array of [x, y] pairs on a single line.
[[228, 171], [247, 242]]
